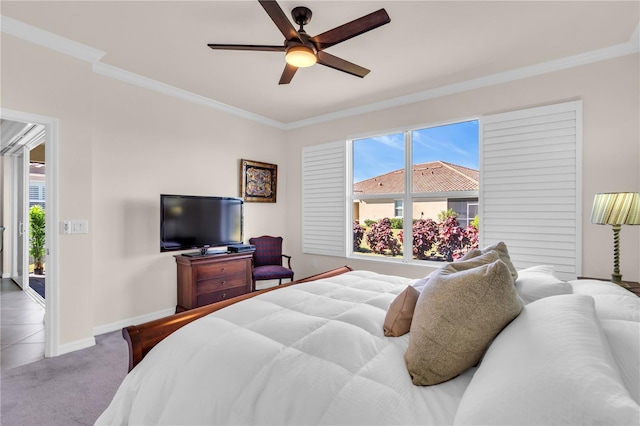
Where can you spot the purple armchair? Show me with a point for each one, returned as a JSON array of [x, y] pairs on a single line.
[[267, 260]]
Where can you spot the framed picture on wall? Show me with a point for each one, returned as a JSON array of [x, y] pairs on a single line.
[[258, 181]]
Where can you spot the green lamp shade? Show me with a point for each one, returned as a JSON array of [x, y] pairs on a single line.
[[616, 208]]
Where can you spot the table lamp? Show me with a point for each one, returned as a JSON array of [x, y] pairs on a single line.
[[616, 209]]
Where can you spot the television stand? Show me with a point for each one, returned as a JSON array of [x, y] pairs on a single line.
[[208, 279]]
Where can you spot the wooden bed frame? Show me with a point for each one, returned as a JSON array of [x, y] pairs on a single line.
[[142, 338]]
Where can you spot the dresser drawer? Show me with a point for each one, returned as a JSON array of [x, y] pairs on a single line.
[[221, 282], [205, 299], [214, 270]]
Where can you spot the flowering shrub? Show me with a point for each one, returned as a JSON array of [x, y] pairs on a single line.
[[358, 233], [453, 241], [425, 235], [445, 238], [380, 238]]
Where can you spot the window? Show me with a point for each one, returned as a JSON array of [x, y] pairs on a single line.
[[529, 192], [398, 208], [466, 209], [390, 203], [36, 194]]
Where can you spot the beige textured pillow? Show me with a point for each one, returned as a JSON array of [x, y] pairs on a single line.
[[398, 319], [501, 248], [458, 314]]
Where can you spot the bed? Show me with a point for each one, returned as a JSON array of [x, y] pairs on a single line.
[[315, 352]]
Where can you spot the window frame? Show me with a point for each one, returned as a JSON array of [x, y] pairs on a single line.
[[542, 124], [407, 197]]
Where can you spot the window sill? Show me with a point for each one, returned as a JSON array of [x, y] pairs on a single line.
[[414, 262]]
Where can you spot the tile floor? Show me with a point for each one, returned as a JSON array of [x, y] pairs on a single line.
[[21, 327]]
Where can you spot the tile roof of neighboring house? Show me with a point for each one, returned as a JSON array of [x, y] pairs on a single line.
[[435, 176]]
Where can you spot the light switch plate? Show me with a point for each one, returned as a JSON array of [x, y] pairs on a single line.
[[65, 227], [79, 227]]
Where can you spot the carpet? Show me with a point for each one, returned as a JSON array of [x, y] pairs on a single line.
[[70, 389], [37, 284]]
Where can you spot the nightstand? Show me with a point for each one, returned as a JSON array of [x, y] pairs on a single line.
[[633, 287]]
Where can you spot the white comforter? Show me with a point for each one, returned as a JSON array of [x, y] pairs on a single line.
[[315, 353]]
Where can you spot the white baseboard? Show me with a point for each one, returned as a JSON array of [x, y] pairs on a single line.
[[108, 328], [118, 325], [76, 346]]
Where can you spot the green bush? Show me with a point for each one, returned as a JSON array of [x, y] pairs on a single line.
[[396, 222], [444, 214], [36, 236], [476, 222]]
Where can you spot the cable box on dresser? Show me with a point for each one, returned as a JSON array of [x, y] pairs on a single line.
[[238, 248], [208, 279]]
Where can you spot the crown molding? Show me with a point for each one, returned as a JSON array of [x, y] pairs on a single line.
[[478, 83], [49, 40], [166, 89], [93, 56], [80, 51]]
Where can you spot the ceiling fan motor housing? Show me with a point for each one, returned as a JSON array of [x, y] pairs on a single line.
[[301, 15]]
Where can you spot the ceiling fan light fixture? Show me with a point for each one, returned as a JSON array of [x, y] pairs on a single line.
[[300, 56]]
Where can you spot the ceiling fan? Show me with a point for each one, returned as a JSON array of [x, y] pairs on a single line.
[[302, 50]]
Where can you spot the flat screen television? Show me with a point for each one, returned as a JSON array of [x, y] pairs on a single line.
[[188, 222]]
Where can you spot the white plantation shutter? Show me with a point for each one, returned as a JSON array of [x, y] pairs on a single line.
[[530, 186], [323, 199]]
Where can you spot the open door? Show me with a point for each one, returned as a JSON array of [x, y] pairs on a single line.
[[20, 269], [21, 132]]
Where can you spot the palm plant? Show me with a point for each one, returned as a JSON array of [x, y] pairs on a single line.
[[37, 238]]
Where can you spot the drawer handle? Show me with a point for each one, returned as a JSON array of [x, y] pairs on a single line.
[[222, 270], [224, 295], [222, 283]]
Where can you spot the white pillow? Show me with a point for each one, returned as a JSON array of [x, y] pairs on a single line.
[[624, 338], [551, 365], [538, 282], [421, 282]]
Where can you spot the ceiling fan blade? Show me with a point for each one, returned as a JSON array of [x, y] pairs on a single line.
[[339, 64], [351, 29], [280, 19], [287, 74], [261, 48]]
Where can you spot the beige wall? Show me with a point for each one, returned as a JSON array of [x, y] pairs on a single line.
[[611, 157], [120, 146], [370, 209], [163, 145], [40, 81]]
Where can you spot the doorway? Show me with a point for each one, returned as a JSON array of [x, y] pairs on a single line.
[[23, 145], [15, 189]]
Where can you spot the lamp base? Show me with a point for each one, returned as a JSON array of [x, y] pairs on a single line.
[[617, 279]]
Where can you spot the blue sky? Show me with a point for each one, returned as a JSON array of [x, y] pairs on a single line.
[[454, 143]]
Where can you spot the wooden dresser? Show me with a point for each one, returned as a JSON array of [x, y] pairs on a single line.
[[208, 279]]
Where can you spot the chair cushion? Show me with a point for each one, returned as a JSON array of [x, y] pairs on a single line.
[[268, 250], [270, 272]]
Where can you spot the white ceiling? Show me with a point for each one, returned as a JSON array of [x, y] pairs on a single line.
[[428, 45]]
